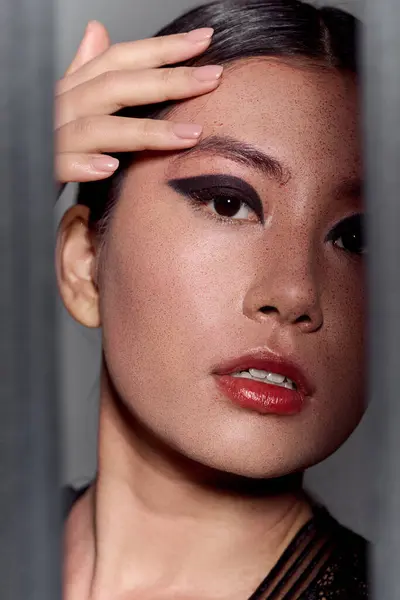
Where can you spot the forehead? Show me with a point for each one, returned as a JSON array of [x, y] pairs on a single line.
[[308, 117]]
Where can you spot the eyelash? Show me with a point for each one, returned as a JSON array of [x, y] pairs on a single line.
[[340, 230], [200, 198]]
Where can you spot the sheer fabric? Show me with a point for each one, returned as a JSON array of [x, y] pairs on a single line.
[[325, 561]]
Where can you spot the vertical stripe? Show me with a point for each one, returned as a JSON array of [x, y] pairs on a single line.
[[381, 53], [30, 522]]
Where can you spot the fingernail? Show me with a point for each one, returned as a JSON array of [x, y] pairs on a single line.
[[208, 73], [88, 28], [107, 164], [199, 35], [187, 131]]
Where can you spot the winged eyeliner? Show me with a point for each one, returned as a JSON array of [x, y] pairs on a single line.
[[222, 184]]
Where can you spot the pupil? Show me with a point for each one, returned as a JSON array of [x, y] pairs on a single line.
[[351, 234], [353, 240], [227, 207]]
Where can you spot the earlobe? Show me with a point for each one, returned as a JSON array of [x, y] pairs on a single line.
[[75, 267]]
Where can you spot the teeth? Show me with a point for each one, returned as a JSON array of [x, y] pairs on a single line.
[[289, 384], [275, 378], [244, 374], [265, 376], [259, 374]]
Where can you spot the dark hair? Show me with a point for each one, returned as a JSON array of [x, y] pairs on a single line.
[[243, 29]]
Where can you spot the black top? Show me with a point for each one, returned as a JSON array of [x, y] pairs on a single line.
[[325, 561]]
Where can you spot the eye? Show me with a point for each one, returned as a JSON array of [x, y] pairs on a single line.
[[348, 235], [225, 204], [224, 197]]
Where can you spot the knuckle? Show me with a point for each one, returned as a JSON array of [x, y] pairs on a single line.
[[84, 127], [167, 75], [116, 52], [147, 128], [108, 79], [162, 45], [188, 72]]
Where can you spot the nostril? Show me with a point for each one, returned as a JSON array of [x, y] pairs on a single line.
[[303, 319], [267, 310]]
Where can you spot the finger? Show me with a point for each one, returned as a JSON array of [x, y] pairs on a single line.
[[95, 41], [72, 167], [98, 42], [114, 90], [122, 134], [77, 61], [142, 54]]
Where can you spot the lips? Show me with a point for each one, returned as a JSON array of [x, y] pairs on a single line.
[[264, 397], [270, 363]]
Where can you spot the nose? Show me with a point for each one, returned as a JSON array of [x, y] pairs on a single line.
[[286, 288]]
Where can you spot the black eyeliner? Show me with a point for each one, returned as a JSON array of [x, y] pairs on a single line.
[[339, 228], [189, 186], [353, 223]]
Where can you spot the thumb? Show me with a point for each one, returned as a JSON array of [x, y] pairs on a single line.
[[95, 41]]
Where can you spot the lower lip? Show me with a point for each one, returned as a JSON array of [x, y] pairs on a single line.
[[263, 398]]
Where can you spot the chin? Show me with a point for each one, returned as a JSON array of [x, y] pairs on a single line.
[[234, 462], [260, 457], [252, 472]]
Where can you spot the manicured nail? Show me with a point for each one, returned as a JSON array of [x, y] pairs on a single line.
[[199, 35], [208, 73], [106, 164], [88, 28], [187, 131]]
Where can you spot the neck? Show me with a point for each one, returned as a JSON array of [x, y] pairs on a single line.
[[163, 526]]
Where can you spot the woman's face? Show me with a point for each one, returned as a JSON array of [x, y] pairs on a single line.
[[183, 290]]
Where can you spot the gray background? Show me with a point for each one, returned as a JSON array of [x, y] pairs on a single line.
[[342, 481]]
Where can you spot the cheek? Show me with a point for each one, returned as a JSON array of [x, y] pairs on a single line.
[[341, 352], [346, 306], [171, 283]]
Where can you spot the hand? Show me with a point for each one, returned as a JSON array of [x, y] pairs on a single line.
[[102, 79]]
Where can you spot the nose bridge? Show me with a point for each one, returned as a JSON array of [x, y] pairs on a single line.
[[287, 278], [294, 271]]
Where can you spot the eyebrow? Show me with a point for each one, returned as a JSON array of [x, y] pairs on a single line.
[[242, 153], [267, 165]]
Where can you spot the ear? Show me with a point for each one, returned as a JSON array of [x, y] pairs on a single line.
[[76, 262]]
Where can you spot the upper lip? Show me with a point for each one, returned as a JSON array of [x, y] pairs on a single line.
[[267, 361]]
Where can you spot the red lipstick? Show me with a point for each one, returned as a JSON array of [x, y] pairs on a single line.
[[264, 398]]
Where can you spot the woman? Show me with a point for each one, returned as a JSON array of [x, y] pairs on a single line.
[[224, 263]]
